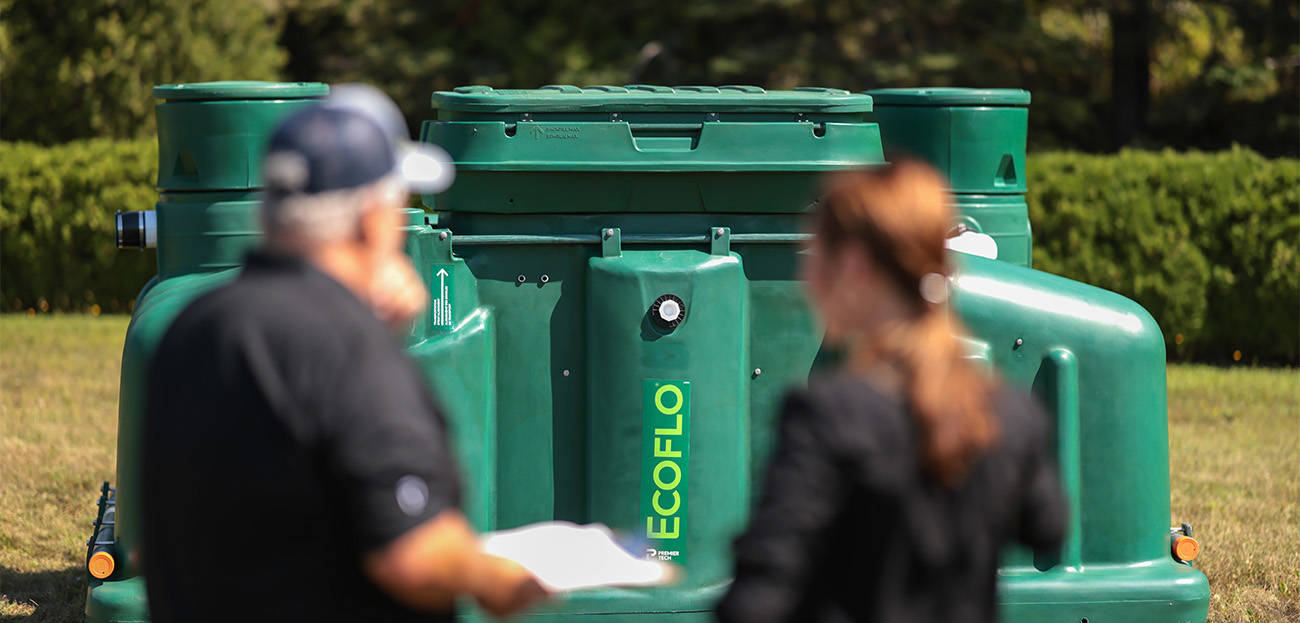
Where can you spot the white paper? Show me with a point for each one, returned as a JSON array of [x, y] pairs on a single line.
[[565, 556], [974, 243]]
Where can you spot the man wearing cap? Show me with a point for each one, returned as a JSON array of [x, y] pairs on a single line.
[[296, 467]]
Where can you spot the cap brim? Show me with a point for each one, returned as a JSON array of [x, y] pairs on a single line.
[[424, 167]]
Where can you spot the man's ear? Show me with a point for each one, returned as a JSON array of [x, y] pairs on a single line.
[[380, 223], [372, 219], [366, 222]]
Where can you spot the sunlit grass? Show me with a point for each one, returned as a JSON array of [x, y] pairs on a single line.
[[58, 435], [1235, 467]]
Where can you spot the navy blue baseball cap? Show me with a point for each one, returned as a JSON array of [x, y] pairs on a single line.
[[352, 138]]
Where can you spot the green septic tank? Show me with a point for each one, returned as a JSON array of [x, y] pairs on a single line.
[[210, 142], [977, 138], [616, 314]]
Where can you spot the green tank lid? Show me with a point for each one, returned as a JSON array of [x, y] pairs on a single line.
[[650, 98], [949, 96], [643, 148], [239, 90]]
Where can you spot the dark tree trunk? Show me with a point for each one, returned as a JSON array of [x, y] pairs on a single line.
[[1130, 82], [297, 39]]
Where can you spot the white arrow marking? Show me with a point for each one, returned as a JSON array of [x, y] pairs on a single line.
[[442, 296]]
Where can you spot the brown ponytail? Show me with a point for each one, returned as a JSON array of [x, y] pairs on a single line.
[[900, 216]]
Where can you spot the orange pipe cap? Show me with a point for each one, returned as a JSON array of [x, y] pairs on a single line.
[[1186, 548], [101, 565]]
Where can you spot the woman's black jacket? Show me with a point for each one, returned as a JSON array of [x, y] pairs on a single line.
[[849, 528]]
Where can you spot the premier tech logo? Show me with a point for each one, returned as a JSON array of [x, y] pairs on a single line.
[[540, 132], [665, 458]]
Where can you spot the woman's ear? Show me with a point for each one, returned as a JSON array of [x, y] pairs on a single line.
[[852, 265]]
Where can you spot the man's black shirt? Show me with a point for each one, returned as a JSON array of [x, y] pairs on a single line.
[[286, 435]]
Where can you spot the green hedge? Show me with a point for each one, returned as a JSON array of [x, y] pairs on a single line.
[[1207, 242], [57, 248]]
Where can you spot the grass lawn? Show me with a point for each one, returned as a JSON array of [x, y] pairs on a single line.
[[1235, 441], [58, 441]]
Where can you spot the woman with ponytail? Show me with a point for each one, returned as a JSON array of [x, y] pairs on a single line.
[[895, 483]]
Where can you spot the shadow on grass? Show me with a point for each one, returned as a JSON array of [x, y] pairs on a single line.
[[39, 596]]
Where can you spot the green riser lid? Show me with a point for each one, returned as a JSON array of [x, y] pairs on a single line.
[[974, 136], [239, 90], [211, 135], [949, 96]]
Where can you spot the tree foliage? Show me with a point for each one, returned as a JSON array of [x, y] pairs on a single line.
[[1204, 241], [56, 223], [1217, 73], [84, 68]]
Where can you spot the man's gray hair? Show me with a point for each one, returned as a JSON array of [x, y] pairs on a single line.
[[305, 220]]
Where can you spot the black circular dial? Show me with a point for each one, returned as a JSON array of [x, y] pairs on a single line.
[[668, 311]]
